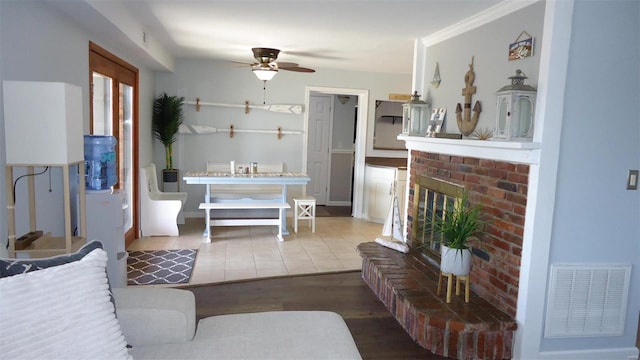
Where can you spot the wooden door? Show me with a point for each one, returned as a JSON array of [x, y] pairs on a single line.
[[318, 147]]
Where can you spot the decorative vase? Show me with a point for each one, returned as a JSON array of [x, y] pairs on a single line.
[[455, 261], [169, 175]]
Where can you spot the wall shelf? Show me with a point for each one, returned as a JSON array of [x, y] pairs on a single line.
[[203, 129], [279, 108]]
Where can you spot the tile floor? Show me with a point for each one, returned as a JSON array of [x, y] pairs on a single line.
[[252, 252]]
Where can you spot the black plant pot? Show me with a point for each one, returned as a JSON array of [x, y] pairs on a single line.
[[170, 175]]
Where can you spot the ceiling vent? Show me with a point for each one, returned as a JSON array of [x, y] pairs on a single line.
[[587, 300]]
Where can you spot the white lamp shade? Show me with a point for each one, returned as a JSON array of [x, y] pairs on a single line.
[[43, 123], [265, 74]]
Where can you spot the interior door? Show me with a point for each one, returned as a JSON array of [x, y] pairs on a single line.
[[114, 112], [318, 147]]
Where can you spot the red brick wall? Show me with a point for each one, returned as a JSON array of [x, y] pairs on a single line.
[[501, 188]]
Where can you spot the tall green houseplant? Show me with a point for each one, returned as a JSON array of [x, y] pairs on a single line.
[[167, 118]]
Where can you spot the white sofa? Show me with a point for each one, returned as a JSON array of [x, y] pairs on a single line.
[[164, 328], [63, 309]]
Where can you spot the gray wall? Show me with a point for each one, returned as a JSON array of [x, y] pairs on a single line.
[[223, 82], [488, 45], [40, 43], [596, 220]]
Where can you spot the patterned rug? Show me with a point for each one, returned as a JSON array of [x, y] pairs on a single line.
[[160, 266]]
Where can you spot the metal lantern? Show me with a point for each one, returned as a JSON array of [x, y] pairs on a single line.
[[414, 116], [516, 104]]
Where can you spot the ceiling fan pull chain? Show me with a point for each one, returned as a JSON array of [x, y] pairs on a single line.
[[264, 92]]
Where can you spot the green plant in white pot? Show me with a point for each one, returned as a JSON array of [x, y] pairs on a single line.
[[166, 121], [456, 228]]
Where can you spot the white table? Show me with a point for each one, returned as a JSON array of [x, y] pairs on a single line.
[[225, 178]]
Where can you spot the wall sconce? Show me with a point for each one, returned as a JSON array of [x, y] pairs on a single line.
[[414, 116], [344, 99], [516, 104]]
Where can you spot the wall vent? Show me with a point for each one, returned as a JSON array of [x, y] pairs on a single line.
[[587, 300]]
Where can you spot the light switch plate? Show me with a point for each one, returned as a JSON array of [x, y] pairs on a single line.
[[632, 180]]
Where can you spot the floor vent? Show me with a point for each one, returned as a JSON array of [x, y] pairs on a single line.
[[587, 300]]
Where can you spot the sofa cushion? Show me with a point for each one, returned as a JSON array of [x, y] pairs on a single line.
[[10, 267], [61, 312], [264, 335]]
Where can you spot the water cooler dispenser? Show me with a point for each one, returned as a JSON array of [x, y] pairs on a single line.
[[105, 222], [100, 162], [105, 207]]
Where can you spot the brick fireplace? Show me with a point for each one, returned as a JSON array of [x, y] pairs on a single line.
[[501, 188], [495, 174]]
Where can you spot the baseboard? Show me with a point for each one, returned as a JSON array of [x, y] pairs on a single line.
[[194, 214], [630, 353], [338, 203]]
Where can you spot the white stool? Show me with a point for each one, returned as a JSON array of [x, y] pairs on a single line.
[[305, 208]]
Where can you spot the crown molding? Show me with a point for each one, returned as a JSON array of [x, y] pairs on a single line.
[[484, 17]]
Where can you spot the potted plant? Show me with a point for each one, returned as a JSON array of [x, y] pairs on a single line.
[[455, 229], [166, 120]]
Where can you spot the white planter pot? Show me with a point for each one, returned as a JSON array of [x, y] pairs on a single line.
[[455, 261]]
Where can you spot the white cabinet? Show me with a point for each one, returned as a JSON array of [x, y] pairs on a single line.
[[381, 183]]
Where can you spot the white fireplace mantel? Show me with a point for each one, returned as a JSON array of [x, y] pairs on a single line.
[[509, 151]]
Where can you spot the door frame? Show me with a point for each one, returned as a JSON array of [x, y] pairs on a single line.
[[96, 49], [361, 138]]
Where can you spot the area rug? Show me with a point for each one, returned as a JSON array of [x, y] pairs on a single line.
[[152, 267]]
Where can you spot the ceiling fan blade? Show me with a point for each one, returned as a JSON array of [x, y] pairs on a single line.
[[235, 63], [283, 64], [296, 68]]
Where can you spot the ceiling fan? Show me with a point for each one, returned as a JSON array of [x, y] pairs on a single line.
[[267, 67]]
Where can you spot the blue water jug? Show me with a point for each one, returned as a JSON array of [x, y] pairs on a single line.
[[100, 162]]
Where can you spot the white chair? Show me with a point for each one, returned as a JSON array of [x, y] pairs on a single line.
[[304, 208], [159, 211]]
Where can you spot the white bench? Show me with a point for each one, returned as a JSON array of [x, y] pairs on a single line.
[[207, 207], [160, 212], [246, 192]]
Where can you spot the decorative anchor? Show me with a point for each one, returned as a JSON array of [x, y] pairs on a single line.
[[467, 123]]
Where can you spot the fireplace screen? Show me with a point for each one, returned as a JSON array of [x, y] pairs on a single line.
[[432, 199]]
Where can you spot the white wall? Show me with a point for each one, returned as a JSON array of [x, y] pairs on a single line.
[[39, 43], [224, 82]]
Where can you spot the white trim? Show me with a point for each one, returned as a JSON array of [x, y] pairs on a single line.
[[630, 353], [361, 138], [338, 203], [419, 64], [541, 197], [482, 18], [517, 152]]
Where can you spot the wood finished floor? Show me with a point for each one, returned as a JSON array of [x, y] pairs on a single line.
[[375, 331]]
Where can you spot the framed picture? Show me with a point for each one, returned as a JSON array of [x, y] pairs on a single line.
[[436, 121], [522, 47]]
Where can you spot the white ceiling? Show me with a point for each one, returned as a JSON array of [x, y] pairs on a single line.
[[364, 35]]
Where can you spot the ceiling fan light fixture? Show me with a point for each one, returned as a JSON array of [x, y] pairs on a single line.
[[265, 74]]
